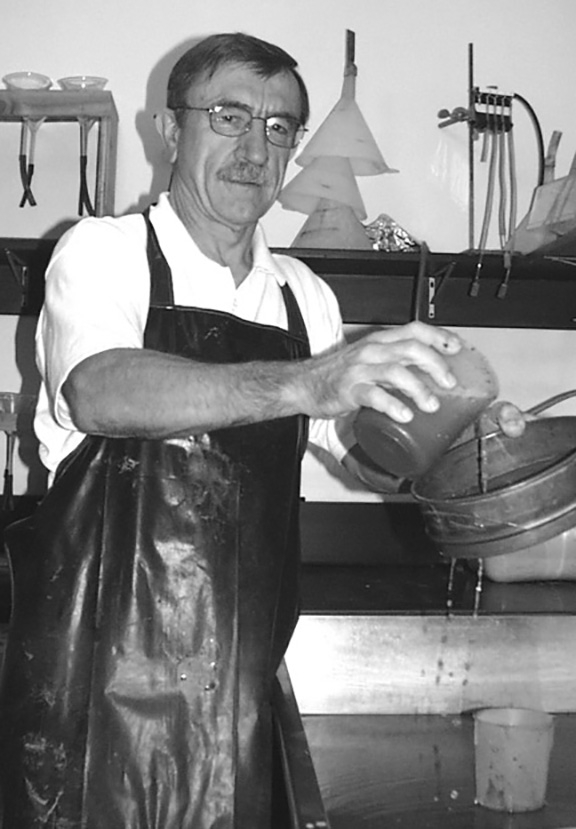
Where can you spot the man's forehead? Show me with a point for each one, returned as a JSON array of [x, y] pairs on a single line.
[[243, 84]]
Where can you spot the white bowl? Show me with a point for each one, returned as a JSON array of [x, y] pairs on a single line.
[[82, 82], [26, 80]]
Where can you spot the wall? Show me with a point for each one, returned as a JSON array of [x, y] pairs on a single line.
[[412, 60]]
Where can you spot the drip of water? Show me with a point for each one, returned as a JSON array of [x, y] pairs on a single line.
[[478, 588], [450, 588], [481, 458]]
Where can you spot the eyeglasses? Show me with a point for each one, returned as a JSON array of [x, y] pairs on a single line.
[[232, 121]]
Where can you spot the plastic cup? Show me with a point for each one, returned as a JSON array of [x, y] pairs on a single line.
[[408, 450], [512, 751]]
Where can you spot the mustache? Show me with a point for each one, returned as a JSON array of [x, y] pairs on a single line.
[[243, 172]]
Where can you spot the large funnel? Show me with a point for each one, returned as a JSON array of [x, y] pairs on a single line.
[[344, 132]]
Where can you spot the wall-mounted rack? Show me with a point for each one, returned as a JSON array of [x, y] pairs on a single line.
[[489, 113], [83, 107]]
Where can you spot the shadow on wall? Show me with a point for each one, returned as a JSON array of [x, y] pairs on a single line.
[[27, 444], [155, 102]]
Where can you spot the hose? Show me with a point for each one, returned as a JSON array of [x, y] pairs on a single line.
[[538, 131], [503, 202]]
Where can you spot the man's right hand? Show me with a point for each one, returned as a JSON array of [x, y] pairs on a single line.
[[369, 371]]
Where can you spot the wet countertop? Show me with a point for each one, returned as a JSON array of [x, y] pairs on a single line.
[[405, 772], [402, 770]]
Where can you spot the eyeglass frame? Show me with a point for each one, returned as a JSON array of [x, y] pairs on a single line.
[[212, 110]]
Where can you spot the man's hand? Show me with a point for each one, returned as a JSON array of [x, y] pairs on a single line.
[[501, 416], [504, 416], [369, 371]]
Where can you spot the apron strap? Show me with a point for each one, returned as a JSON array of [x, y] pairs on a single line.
[[297, 330], [296, 326], [161, 290]]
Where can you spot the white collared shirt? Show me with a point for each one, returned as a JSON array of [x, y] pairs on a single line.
[[98, 294]]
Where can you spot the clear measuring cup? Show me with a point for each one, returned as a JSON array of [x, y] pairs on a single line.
[[410, 449]]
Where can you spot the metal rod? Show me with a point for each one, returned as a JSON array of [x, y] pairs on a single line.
[[471, 127], [350, 46], [419, 286]]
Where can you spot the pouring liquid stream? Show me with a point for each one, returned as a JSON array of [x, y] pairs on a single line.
[[481, 458], [450, 588], [478, 588], [483, 489]]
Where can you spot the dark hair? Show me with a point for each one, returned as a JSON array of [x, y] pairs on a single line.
[[215, 51]]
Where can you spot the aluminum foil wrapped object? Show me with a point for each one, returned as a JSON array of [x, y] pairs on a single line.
[[387, 235]]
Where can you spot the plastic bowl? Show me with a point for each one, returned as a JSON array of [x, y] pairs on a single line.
[[82, 82], [551, 560], [26, 80]]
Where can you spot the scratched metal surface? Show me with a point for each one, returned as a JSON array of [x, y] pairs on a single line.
[[417, 772]]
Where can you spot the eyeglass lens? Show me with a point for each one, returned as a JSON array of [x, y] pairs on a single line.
[[281, 130]]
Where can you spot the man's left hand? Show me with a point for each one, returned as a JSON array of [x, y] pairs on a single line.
[[504, 416]]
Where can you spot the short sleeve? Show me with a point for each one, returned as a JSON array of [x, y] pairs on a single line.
[[96, 298]]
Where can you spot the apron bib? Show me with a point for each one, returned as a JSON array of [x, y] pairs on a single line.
[[155, 591]]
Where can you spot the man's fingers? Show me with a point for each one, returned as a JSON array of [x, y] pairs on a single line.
[[507, 417]]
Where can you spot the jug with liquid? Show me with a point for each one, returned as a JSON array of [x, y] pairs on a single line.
[[407, 450]]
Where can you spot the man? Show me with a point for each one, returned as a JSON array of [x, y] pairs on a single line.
[[158, 585]]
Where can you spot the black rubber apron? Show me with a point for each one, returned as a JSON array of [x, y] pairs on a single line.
[[155, 591]]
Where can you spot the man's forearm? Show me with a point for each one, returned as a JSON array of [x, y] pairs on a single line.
[[142, 393]]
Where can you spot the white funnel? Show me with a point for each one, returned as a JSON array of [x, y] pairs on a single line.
[[332, 225], [324, 178]]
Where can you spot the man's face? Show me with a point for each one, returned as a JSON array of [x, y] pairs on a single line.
[[233, 181]]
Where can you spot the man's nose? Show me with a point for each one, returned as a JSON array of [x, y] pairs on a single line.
[[254, 143]]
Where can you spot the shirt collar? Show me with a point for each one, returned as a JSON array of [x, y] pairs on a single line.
[[262, 259]]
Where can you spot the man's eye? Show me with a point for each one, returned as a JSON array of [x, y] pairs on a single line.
[[279, 126], [232, 117]]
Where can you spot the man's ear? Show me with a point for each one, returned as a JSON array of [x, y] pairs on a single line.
[[168, 130]]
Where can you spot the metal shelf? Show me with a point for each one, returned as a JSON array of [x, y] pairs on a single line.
[[393, 288], [377, 288]]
